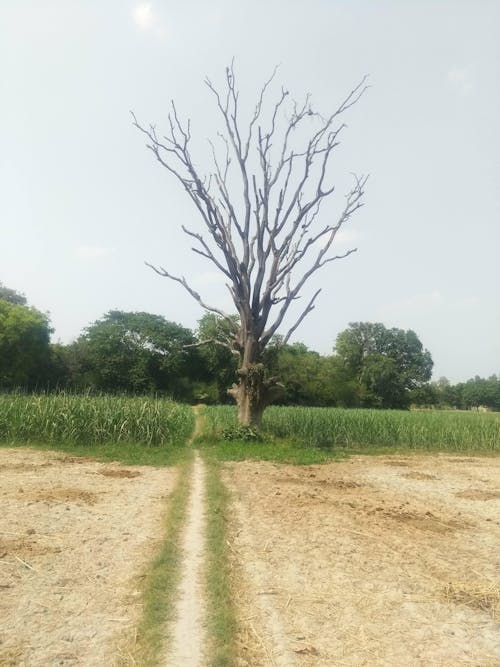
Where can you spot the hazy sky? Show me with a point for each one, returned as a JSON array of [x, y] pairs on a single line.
[[83, 203]]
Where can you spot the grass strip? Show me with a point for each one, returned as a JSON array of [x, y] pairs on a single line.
[[221, 613], [161, 582], [269, 449]]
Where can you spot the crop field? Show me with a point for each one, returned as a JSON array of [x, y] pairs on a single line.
[[93, 420], [341, 428]]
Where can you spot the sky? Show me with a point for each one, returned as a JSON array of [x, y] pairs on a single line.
[[83, 203]]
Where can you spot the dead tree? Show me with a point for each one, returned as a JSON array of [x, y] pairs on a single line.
[[265, 238]]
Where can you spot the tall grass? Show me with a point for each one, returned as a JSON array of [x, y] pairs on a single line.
[[354, 429], [93, 420]]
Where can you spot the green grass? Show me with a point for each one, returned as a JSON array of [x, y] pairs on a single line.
[[269, 449], [369, 431], [160, 586], [221, 614], [89, 420]]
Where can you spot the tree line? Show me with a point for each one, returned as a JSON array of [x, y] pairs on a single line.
[[137, 352]]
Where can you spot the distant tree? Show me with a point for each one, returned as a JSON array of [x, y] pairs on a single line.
[[24, 346], [308, 377], [447, 395], [480, 392], [425, 396], [260, 212], [218, 363], [136, 352], [385, 363], [10, 295]]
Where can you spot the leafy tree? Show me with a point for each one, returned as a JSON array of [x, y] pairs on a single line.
[[447, 395], [24, 346], [136, 352], [425, 396], [481, 392], [10, 295], [218, 364], [308, 377], [386, 363], [260, 210]]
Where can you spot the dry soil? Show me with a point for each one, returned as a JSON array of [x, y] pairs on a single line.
[[75, 537], [371, 561]]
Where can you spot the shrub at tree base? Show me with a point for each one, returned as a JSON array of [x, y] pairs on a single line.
[[241, 432]]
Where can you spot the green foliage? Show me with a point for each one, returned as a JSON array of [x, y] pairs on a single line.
[[479, 392], [24, 346], [386, 364], [93, 420], [11, 296], [137, 352], [219, 364], [217, 418], [241, 432], [309, 378]]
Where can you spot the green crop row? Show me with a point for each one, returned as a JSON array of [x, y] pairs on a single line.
[[93, 420], [336, 427]]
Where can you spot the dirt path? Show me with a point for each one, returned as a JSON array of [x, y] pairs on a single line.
[[188, 637]]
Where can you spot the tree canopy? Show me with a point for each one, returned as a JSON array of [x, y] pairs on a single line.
[[24, 345], [136, 351], [386, 364]]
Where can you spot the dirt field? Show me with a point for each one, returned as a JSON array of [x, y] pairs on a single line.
[[75, 535], [372, 561]]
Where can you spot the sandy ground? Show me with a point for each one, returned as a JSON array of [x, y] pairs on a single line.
[[75, 536], [371, 561]]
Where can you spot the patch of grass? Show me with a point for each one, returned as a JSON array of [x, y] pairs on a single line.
[[218, 419], [277, 450], [221, 614], [160, 586]]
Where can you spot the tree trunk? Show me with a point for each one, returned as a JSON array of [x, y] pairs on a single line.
[[254, 393]]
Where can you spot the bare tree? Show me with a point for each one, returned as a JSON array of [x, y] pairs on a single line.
[[263, 234]]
